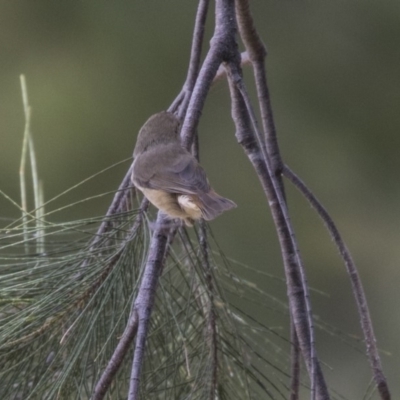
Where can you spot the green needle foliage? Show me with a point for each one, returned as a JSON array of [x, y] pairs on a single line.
[[64, 310]]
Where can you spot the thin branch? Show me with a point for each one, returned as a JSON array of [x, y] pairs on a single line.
[[257, 53], [297, 287], [116, 359], [197, 44], [182, 100], [145, 300], [177, 102], [277, 187], [295, 363], [223, 33], [195, 56], [130, 331], [358, 290], [119, 198]]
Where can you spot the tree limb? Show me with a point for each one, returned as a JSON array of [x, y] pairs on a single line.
[[358, 290]]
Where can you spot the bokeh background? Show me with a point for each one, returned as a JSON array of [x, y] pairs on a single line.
[[96, 70]]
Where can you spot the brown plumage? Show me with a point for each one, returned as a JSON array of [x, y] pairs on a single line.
[[170, 177]]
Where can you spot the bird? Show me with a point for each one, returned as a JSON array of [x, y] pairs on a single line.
[[170, 177]]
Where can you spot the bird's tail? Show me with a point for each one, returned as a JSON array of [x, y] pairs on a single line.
[[212, 204]]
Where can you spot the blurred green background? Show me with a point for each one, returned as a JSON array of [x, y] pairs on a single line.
[[96, 70]]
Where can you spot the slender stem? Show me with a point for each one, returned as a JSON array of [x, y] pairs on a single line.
[[36, 195], [117, 204], [130, 331], [22, 180], [144, 302], [224, 33], [295, 363], [257, 53], [195, 55], [197, 43], [119, 198], [200, 91], [297, 286], [177, 102], [358, 290], [116, 359]]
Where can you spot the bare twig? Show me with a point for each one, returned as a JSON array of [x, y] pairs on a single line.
[[195, 56], [358, 290], [297, 287], [295, 363], [118, 356], [277, 191], [144, 302], [218, 52], [119, 198], [257, 53], [127, 337]]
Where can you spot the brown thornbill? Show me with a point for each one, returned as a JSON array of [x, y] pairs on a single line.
[[170, 177]]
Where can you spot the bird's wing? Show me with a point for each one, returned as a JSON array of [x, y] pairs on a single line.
[[173, 169]]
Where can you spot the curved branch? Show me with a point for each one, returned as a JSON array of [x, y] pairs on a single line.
[[257, 53], [358, 290], [119, 198], [182, 100], [195, 56], [197, 43], [116, 359], [297, 286], [224, 33]]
